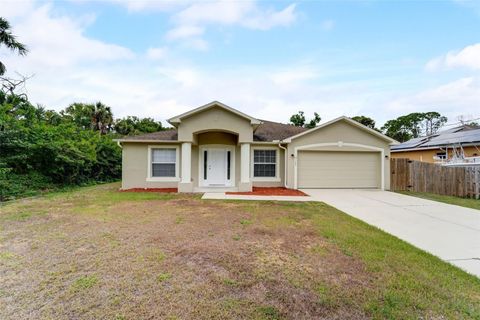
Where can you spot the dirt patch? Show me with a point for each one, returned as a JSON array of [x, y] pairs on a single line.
[[160, 190], [271, 191]]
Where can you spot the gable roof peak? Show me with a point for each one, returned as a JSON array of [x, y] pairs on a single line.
[[178, 119], [348, 120]]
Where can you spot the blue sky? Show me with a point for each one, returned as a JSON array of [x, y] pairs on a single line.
[[269, 59]]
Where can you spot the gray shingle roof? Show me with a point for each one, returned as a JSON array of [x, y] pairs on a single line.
[[266, 132], [269, 131], [458, 135], [169, 135]]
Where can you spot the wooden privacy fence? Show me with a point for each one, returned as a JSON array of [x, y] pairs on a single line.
[[408, 175]]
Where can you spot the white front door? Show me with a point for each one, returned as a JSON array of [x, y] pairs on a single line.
[[215, 167]]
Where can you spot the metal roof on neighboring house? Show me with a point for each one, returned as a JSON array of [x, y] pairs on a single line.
[[464, 134]]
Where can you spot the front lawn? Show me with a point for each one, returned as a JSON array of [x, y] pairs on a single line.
[[463, 202], [96, 253]]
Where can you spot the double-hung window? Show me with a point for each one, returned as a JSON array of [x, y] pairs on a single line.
[[264, 163], [164, 162]]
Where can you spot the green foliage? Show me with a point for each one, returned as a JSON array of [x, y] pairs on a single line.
[[366, 121], [96, 116], [299, 120], [414, 125], [8, 40], [132, 125], [42, 149]]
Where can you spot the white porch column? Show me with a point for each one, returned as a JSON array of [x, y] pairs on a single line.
[[186, 162], [245, 163], [186, 184], [245, 182]]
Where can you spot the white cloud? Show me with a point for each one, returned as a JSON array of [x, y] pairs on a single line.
[[191, 22], [468, 57], [265, 20], [461, 96], [14, 8], [149, 5], [184, 31], [218, 12], [58, 41], [243, 13], [156, 53]]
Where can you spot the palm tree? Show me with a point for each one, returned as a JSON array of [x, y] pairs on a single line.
[[102, 118], [9, 41]]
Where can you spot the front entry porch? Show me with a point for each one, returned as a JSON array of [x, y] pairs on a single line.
[[216, 166], [215, 161]]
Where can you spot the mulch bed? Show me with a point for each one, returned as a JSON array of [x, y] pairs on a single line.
[[160, 190], [271, 191]]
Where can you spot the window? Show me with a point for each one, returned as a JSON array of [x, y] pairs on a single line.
[[228, 165], [205, 165], [441, 155], [164, 162], [264, 163]]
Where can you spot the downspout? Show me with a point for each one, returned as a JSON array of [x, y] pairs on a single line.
[[284, 164], [119, 144]]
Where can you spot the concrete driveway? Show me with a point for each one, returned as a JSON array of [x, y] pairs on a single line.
[[447, 231]]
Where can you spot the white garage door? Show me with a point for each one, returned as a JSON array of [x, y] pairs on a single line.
[[330, 169]]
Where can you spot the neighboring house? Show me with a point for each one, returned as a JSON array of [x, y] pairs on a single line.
[[434, 148], [215, 147]]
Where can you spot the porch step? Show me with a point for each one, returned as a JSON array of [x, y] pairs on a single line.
[[215, 189]]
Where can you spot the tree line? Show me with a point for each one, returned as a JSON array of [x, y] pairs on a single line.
[[403, 128], [43, 149]]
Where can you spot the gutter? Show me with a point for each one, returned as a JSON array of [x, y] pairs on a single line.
[[147, 141]]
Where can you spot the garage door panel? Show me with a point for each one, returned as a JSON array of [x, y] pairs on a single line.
[[329, 169]]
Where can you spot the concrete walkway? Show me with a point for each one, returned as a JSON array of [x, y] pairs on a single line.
[[447, 231]]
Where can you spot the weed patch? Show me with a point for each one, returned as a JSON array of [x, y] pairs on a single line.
[[84, 283], [162, 277]]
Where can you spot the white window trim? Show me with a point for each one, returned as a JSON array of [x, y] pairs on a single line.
[[177, 169], [277, 164], [203, 147]]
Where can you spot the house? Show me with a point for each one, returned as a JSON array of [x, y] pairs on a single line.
[[216, 147], [434, 148]]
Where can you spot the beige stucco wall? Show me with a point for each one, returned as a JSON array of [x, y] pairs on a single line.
[[215, 119], [338, 131], [135, 167], [427, 155]]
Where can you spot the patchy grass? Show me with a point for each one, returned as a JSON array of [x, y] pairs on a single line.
[[230, 282], [269, 313], [95, 253], [163, 277], [246, 222], [463, 202], [84, 282]]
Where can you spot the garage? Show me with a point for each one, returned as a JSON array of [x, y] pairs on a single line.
[[339, 169]]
